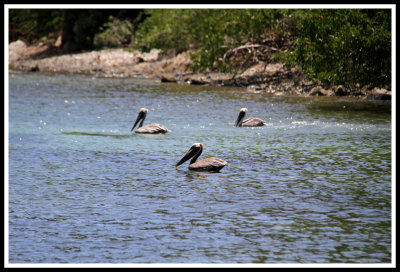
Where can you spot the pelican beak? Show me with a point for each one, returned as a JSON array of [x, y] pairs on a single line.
[[139, 118], [240, 118], [191, 152]]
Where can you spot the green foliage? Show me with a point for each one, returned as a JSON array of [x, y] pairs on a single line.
[[344, 46], [77, 26], [83, 25], [332, 46], [114, 33], [33, 24], [80, 26], [208, 33]]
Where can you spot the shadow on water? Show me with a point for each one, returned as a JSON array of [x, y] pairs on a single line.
[[118, 136], [102, 134], [376, 112], [378, 107], [199, 176]]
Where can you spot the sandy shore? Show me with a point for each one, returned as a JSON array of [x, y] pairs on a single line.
[[267, 78]]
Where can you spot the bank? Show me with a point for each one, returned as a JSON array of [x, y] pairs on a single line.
[[264, 78]]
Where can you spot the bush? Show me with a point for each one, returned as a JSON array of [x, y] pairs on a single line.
[[208, 33], [32, 25], [332, 46], [344, 46], [114, 33]]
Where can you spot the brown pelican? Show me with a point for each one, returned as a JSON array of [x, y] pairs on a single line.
[[210, 164], [251, 122], [152, 128]]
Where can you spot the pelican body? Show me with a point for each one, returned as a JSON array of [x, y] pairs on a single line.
[[152, 128], [210, 164], [251, 122]]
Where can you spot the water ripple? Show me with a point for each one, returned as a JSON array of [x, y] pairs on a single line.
[[314, 186]]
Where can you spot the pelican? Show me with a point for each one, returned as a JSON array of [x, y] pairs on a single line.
[[251, 122], [152, 128], [210, 164]]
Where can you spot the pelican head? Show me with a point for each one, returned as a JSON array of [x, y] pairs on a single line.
[[194, 151], [239, 120], [141, 116]]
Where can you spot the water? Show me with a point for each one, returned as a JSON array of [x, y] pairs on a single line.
[[314, 186]]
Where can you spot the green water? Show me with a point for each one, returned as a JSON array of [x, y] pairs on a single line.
[[314, 186]]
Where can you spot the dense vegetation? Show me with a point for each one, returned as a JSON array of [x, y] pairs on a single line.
[[208, 33], [332, 46], [78, 27], [344, 46]]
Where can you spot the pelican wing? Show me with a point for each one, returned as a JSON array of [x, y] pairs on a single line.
[[209, 164], [254, 122], [152, 128]]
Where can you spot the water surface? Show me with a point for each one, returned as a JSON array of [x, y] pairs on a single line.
[[314, 186]]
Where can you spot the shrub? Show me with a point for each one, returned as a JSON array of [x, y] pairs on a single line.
[[207, 33], [33, 24], [344, 46], [114, 33]]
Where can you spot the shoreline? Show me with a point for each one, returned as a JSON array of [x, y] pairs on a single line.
[[264, 78]]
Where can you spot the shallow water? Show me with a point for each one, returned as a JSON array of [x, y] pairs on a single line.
[[314, 186]]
